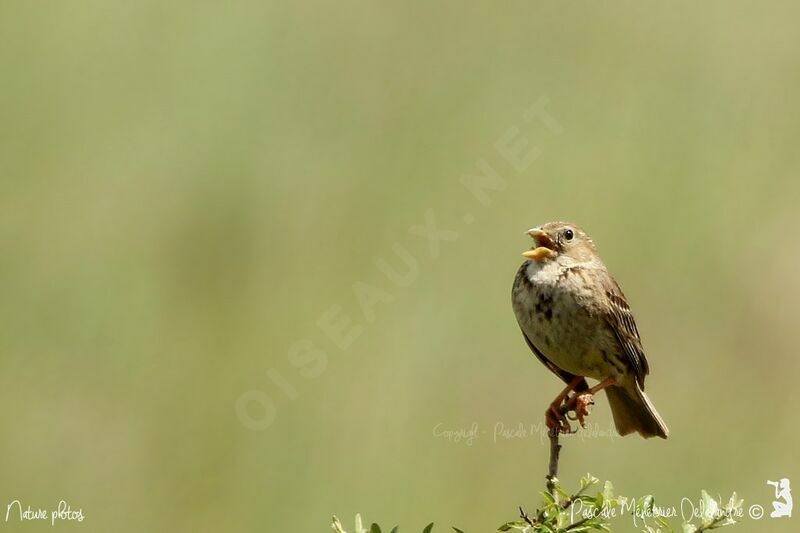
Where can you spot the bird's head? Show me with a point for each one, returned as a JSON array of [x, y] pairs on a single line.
[[556, 239]]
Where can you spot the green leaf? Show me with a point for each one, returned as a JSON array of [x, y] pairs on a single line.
[[661, 521], [516, 524], [587, 480], [562, 520], [710, 507], [598, 502], [734, 504], [608, 491], [428, 528], [456, 529], [374, 528], [395, 529], [561, 492], [645, 503], [336, 525]]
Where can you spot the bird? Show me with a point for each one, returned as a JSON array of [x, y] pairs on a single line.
[[576, 320]]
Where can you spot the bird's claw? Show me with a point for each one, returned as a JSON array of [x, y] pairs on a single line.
[[579, 404], [575, 408], [555, 419]]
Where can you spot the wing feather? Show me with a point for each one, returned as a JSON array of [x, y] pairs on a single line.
[[620, 318]]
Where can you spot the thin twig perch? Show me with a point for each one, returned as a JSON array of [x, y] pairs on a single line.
[[552, 477], [552, 470]]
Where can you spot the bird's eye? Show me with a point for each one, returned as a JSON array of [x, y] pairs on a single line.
[[569, 234]]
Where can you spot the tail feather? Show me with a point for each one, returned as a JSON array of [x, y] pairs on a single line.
[[633, 411]]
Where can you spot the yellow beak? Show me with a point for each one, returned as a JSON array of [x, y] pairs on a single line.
[[537, 234], [539, 254], [544, 248]]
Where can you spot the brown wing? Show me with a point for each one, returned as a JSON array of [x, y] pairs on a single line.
[[563, 374], [620, 318]]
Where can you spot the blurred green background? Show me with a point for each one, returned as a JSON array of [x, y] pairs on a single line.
[[188, 188]]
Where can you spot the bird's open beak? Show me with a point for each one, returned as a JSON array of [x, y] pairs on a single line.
[[545, 247]]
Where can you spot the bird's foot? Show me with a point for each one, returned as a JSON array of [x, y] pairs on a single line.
[[555, 416], [556, 419], [579, 403]]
